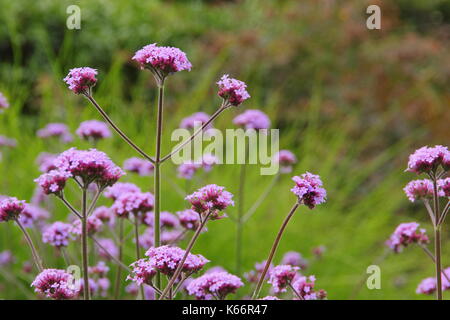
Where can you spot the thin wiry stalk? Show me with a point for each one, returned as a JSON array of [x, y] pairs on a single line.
[[138, 249], [70, 207], [114, 259], [437, 240], [84, 246], [36, 258], [119, 267]]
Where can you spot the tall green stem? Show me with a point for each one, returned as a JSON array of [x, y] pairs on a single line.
[[84, 246], [36, 258]]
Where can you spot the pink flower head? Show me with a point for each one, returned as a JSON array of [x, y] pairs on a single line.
[[254, 275], [426, 159], [45, 161], [309, 189], [53, 182], [214, 284], [101, 269], [208, 161], [286, 160], [55, 284], [108, 249], [166, 219], [11, 208], [140, 166], [168, 237], [133, 203], [427, 286], [7, 142], [405, 234], [6, 258], [281, 276], [81, 80], [93, 130], [210, 197], [305, 288], [120, 188], [232, 90], [189, 219], [195, 120], [295, 259], [32, 215], [57, 234], [90, 166], [187, 169], [93, 225], [252, 119], [444, 186], [3, 102], [419, 189], [105, 214], [164, 60], [142, 273], [166, 259], [58, 130]]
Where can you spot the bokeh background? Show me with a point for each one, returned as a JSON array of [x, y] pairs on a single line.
[[351, 103]]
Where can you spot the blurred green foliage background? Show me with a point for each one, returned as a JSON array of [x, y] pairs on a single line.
[[351, 103]]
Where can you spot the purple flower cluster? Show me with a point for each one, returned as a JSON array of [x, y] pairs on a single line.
[[108, 249], [309, 190], [140, 166], [428, 159], [3, 102], [214, 284], [58, 130], [281, 276], [211, 197], [133, 203], [6, 258], [196, 119], [187, 169], [33, 215], [94, 130], [189, 219], [419, 189], [53, 182], [252, 119], [142, 272], [166, 219], [295, 259], [45, 161], [163, 59], [57, 234], [105, 214], [7, 142], [429, 285], [444, 187], [80, 80], [405, 234], [286, 160], [55, 284], [119, 188], [232, 90], [11, 209], [304, 286], [93, 225]]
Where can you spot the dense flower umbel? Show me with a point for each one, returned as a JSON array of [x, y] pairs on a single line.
[[120, 188], [138, 165], [3, 102], [143, 272], [54, 181], [286, 160], [405, 234], [196, 119], [166, 60], [309, 189], [444, 186], [166, 259], [252, 119], [93, 225], [32, 215], [426, 159], [166, 220], [281, 276], [11, 208], [93, 129], [211, 197], [57, 234], [294, 259], [133, 203], [45, 161], [189, 219], [305, 288], [55, 284], [419, 189], [232, 90], [58, 130], [214, 284], [80, 80], [89, 166]]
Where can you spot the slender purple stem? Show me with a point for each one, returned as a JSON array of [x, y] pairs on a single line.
[[36, 258]]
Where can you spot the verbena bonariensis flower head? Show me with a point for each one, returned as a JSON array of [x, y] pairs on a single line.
[[281, 276], [162, 61], [53, 182], [233, 91], [81, 80], [405, 234], [11, 208], [187, 169], [94, 225], [3, 102], [108, 249], [93, 130], [195, 120], [166, 219], [252, 119], [420, 190], [57, 130], [305, 288], [33, 215], [89, 166], [45, 161], [142, 272], [57, 234], [214, 284], [166, 259], [105, 214], [101, 269], [55, 284], [133, 203], [140, 166], [189, 219], [211, 198], [295, 259], [119, 188], [7, 142], [286, 160], [444, 186], [309, 190], [428, 159], [427, 286]]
